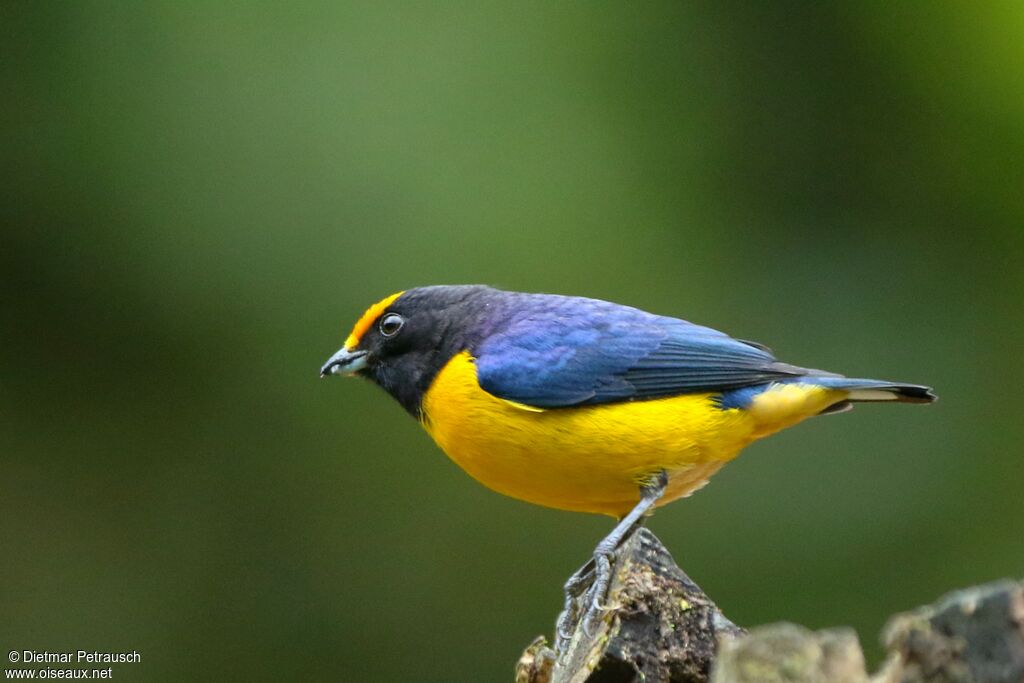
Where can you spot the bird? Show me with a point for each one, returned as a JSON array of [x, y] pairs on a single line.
[[585, 405]]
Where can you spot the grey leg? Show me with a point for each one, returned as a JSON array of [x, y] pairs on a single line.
[[597, 573]]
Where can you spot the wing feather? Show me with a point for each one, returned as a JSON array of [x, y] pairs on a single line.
[[554, 352]]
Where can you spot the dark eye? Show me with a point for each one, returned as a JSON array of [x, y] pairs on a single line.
[[391, 324]]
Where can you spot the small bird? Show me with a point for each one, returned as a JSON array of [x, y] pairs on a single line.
[[585, 405]]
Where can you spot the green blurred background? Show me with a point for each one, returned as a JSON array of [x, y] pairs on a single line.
[[200, 198]]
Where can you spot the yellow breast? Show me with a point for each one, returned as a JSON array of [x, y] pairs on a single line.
[[593, 458]]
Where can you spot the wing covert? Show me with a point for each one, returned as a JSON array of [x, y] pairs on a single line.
[[563, 351]]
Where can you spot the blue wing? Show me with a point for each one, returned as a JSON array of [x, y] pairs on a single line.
[[552, 351]]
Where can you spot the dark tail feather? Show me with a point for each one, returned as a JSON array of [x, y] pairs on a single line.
[[876, 390]]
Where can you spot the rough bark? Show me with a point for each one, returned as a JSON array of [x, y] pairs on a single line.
[[662, 628]]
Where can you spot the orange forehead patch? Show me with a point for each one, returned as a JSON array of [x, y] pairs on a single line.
[[372, 313]]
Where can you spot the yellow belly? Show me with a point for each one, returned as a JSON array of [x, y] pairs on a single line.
[[593, 458]]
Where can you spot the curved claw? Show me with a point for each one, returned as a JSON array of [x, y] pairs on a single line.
[[562, 633], [589, 629], [602, 578], [577, 586], [563, 627], [598, 592], [592, 621]]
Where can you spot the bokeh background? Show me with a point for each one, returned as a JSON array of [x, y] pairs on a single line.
[[199, 199]]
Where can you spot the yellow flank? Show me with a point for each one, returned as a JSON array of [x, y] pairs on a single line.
[[593, 458], [786, 404], [363, 324]]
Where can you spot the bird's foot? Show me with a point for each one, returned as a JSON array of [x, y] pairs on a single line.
[[575, 588], [585, 595], [598, 593]]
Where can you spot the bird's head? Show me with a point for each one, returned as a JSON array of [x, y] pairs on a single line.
[[402, 341]]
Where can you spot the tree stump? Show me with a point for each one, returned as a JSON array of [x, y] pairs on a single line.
[[662, 628]]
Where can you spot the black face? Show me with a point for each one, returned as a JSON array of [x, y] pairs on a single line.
[[418, 333]]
